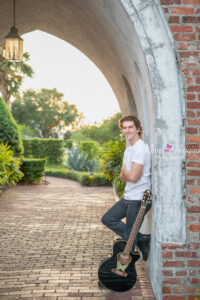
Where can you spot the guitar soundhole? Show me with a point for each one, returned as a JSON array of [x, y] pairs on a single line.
[[123, 255], [124, 258]]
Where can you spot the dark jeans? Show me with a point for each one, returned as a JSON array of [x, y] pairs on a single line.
[[123, 208]]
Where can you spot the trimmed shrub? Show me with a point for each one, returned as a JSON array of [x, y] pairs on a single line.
[[97, 179], [33, 169], [51, 149], [9, 167], [64, 173], [9, 130]]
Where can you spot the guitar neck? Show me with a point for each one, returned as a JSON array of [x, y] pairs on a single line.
[[134, 230]]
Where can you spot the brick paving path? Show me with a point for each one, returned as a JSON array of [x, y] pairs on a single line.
[[52, 240]]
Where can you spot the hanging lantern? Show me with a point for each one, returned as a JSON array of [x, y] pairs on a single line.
[[13, 42]]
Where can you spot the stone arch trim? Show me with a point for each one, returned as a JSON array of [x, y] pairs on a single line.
[[130, 95], [167, 118]]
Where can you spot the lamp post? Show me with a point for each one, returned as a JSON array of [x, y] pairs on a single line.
[[13, 42]]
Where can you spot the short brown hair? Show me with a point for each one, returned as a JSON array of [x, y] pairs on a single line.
[[131, 118]]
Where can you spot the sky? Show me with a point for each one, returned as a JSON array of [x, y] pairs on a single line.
[[57, 64]]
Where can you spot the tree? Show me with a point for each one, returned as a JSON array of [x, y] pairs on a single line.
[[45, 111], [12, 75]]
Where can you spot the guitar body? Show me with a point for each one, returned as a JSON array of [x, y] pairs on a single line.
[[122, 280]]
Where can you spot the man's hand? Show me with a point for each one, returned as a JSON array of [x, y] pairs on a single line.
[[133, 175]]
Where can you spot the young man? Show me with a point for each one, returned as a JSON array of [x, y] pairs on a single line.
[[136, 173]]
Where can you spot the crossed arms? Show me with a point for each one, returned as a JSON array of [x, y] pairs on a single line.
[[133, 175]]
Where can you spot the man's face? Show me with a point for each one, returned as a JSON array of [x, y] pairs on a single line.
[[129, 130]]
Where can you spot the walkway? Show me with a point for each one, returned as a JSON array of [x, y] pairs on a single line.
[[52, 240]]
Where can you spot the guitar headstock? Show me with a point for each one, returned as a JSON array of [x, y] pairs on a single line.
[[146, 198]]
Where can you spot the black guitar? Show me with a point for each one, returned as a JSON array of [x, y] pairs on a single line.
[[118, 273]]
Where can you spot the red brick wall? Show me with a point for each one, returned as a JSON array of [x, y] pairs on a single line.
[[181, 264]]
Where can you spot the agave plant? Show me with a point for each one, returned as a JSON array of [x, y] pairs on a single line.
[[76, 161]]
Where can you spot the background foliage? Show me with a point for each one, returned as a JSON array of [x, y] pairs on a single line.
[[9, 167], [51, 149], [109, 129], [44, 111], [112, 158], [12, 75]]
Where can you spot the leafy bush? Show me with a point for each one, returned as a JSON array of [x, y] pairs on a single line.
[[9, 130], [9, 167], [119, 185], [33, 169], [91, 148], [112, 162], [112, 157], [51, 149]]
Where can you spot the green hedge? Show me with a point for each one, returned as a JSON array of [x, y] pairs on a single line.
[[9, 130], [33, 169], [97, 179], [51, 149]]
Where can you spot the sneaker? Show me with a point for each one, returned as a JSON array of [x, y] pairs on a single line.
[[143, 243]]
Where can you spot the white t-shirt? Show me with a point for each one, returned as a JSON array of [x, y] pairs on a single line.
[[138, 153]]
